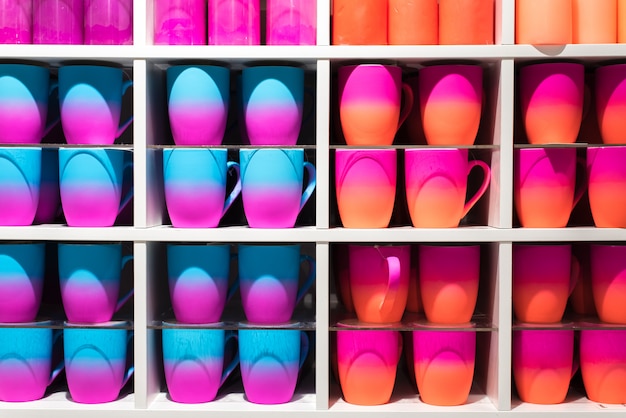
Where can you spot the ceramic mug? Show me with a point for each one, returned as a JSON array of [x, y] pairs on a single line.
[[21, 280], [436, 185], [197, 103], [195, 181], [90, 281], [361, 22], [465, 22], [552, 96], [90, 182], [26, 356], [16, 21], [603, 364], [370, 98], [365, 184], [198, 281], [271, 186], [379, 281], [594, 21], [269, 280], [95, 361], [444, 365], [197, 362], [234, 22], [451, 92], [108, 22], [449, 290], [180, 22], [553, 28], [20, 182], [291, 22], [606, 178], [608, 282], [49, 204], [544, 276], [367, 363], [610, 89], [413, 22], [543, 364], [270, 361], [544, 186], [90, 99], [58, 21]]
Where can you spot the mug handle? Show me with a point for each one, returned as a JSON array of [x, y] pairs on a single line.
[[304, 348], [231, 336], [54, 85], [59, 367], [131, 292], [124, 125], [235, 285], [231, 165], [483, 187], [409, 100], [582, 187], [310, 278], [310, 168], [393, 285], [129, 194], [131, 369]]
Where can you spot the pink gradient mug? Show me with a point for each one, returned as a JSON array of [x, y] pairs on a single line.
[[544, 186], [606, 178], [610, 89], [16, 22], [367, 363], [379, 281], [543, 364], [451, 93], [436, 186], [608, 282], [603, 364], [370, 97], [444, 365], [544, 276], [365, 183], [449, 290], [552, 96]]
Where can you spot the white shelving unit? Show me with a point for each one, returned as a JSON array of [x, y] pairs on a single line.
[[492, 394]]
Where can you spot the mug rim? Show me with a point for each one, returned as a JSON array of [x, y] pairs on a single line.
[[290, 325], [113, 324], [174, 324]]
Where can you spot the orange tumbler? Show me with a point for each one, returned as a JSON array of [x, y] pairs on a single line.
[[594, 21], [541, 22], [361, 22], [413, 22], [466, 22]]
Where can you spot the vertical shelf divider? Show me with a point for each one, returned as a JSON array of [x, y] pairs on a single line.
[[141, 347], [322, 142], [505, 115], [503, 317], [322, 323], [140, 172]]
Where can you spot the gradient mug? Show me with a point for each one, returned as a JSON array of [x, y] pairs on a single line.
[[198, 281], [90, 276], [603, 364], [109, 22], [544, 276], [367, 364], [606, 179], [90, 99], [594, 21], [608, 282], [49, 204], [270, 361], [291, 22], [365, 183], [379, 281], [451, 93], [541, 22], [96, 367], [24, 95], [370, 98], [444, 365], [180, 22], [58, 21], [543, 364], [20, 182], [90, 182], [21, 280], [552, 96], [436, 186], [449, 290], [197, 103], [196, 362], [272, 98], [466, 22], [544, 186], [610, 89], [16, 22], [26, 356], [269, 281], [195, 182], [271, 186], [234, 22], [362, 22]]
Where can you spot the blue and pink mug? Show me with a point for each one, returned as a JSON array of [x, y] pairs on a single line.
[[21, 280], [20, 182]]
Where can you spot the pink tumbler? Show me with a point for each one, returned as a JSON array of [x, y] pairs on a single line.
[[234, 22], [16, 21]]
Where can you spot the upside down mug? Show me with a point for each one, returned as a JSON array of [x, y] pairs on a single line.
[[20, 185]]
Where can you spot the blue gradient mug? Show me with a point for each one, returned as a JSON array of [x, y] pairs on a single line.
[[20, 182]]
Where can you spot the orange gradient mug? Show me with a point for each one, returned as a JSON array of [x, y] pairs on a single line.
[[608, 282], [603, 364], [611, 102], [606, 174], [543, 22]]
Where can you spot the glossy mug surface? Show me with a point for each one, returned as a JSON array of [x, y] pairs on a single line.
[[370, 97], [198, 281], [379, 281], [195, 181], [180, 22], [365, 183], [16, 22], [26, 361], [271, 186], [367, 363], [291, 22], [234, 22], [91, 181], [58, 22], [108, 22], [21, 280], [90, 99], [269, 278], [20, 182], [610, 95], [270, 361], [603, 364], [90, 277], [436, 186], [608, 282], [606, 179], [197, 362]]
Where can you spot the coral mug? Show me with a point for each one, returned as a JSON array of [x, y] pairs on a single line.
[[603, 364], [606, 178], [608, 282]]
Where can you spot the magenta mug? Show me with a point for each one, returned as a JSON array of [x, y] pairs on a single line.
[[58, 22], [109, 22], [608, 282], [610, 89], [234, 22], [436, 185], [606, 183], [180, 22], [603, 364], [16, 22], [291, 22]]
